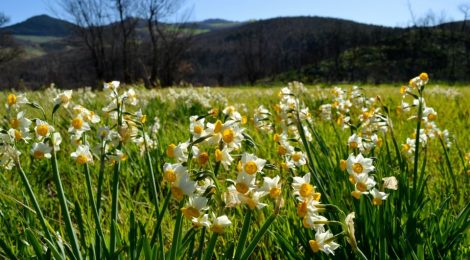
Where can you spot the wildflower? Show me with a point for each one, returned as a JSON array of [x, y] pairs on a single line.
[[252, 164], [354, 141], [41, 150], [302, 187], [220, 224], [43, 129], [223, 156], [297, 158], [390, 183], [63, 98], [171, 171], [358, 164], [324, 241], [130, 97], [111, 86], [13, 100], [82, 155], [364, 182], [201, 221], [272, 186], [195, 205], [78, 126], [196, 127], [182, 186], [409, 147], [20, 122], [378, 197], [245, 182], [252, 199], [170, 150]]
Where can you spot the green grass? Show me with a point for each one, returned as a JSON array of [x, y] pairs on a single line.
[[37, 39], [411, 223]]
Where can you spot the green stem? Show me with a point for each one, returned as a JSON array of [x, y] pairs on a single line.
[[92, 203], [44, 225], [416, 158], [114, 206], [201, 244], [243, 235], [211, 246], [100, 177], [65, 210], [251, 247], [177, 233]]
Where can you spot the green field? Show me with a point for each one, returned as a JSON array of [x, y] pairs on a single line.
[[138, 183]]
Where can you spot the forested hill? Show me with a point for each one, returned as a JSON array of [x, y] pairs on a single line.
[[220, 52]]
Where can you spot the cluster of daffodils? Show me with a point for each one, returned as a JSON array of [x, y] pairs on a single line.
[[352, 109], [217, 144], [412, 96], [359, 169]]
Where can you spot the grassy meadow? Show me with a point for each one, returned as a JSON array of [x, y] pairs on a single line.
[[278, 172]]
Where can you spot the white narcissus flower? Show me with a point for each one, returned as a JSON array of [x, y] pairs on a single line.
[[43, 129], [220, 224], [231, 197], [201, 221], [272, 186], [304, 189], [314, 221], [408, 148], [172, 171], [63, 98], [364, 182], [111, 86], [390, 183], [13, 100], [78, 126], [245, 182], [130, 97], [251, 164], [20, 122], [223, 156], [196, 127], [56, 141], [358, 164], [379, 196], [232, 113], [324, 241], [354, 141], [41, 150], [252, 199], [82, 155], [183, 186], [85, 114], [297, 158], [195, 205]]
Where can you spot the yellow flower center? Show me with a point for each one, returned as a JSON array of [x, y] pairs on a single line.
[[377, 201], [217, 228], [432, 117], [77, 123], [143, 119], [314, 246], [228, 135], [177, 193], [18, 135], [11, 99], [305, 190], [38, 154], [251, 167], [242, 187], [316, 196], [353, 145], [170, 151], [197, 129], [218, 126], [244, 120], [302, 209], [274, 192], [190, 212], [424, 76], [203, 158], [352, 179], [64, 99], [218, 155], [296, 157], [82, 159], [356, 194], [357, 168], [251, 203], [403, 90], [342, 165], [42, 130], [276, 138], [281, 150], [170, 175], [361, 186], [15, 123], [406, 147]]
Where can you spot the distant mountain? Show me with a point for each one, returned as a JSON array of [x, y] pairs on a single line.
[[42, 25]]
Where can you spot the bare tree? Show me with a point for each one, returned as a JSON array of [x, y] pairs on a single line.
[[8, 47]]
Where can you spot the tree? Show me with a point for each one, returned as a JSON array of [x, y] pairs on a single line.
[[9, 50]]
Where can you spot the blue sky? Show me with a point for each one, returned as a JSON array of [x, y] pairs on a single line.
[[381, 12]]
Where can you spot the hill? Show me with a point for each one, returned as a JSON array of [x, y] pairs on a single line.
[[42, 25]]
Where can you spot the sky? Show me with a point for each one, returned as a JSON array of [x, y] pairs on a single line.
[[380, 12]]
